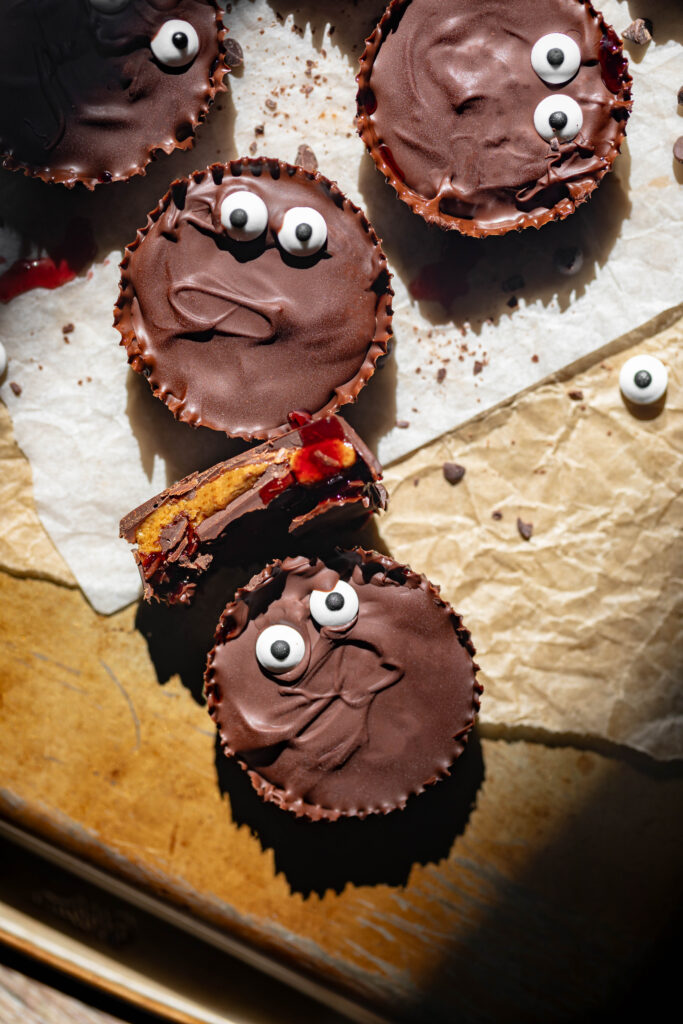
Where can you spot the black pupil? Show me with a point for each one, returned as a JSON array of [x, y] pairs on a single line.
[[555, 57], [335, 601], [239, 218], [642, 379], [557, 120], [303, 232], [280, 650], [179, 40]]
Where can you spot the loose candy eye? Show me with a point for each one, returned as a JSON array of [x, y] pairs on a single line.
[[335, 607], [244, 216], [176, 44], [555, 58], [303, 231], [109, 6], [280, 648], [643, 379], [558, 117]]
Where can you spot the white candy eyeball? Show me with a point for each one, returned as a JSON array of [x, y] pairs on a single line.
[[244, 216], [643, 379], [109, 6], [558, 117], [176, 44], [335, 607], [303, 231], [280, 648], [555, 58]]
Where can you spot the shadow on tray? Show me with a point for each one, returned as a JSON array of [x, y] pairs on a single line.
[[381, 849]]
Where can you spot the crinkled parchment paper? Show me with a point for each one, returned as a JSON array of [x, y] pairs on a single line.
[[99, 444]]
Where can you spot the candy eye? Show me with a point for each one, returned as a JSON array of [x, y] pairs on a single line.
[[643, 379], [335, 607], [109, 6], [558, 117], [176, 44], [244, 216], [555, 58], [303, 231], [280, 648]]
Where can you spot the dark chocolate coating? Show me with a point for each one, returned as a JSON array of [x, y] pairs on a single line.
[[237, 335], [83, 97], [446, 102], [377, 710], [340, 495]]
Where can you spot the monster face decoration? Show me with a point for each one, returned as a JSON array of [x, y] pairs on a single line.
[[496, 115], [93, 89], [257, 291], [343, 686]]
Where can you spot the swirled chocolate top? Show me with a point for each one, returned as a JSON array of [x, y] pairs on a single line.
[[343, 686], [493, 115], [92, 89], [257, 290]]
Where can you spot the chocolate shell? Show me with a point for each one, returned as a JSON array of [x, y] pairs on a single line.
[[450, 104], [92, 90], [342, 686], [239, 333], [320, 471]]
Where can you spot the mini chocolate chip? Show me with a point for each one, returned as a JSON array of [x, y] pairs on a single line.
[[452, 472], [576, 396], [16, 388], [67, 328], [558, 120], [496, 515], [335, 601], [680, 95], [642, 379], [306, 158], [639, 31], [440, 375], [234, 54], [525, 529], [512, 302], [280, 649], [678, 149], [555, 56]]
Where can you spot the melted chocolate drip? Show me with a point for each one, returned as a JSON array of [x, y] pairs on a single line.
[[238, 336], [83, 98], [446, 107], [378, 709]]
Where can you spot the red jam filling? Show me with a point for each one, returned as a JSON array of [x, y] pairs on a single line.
[[612, 61], [62, 264]]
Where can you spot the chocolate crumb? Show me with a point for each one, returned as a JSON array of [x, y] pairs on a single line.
[[534, 359], [569, 260], [452, 472], [678, 149], [477, 368], [680, 95], [515, 283], [271, 104], [252, 148], [576, 396], [440, 375], [68, 328], [402, 424], [639, 31], [260, 129], [525, 529], [512, 302], [234, 54], [497, 515], [416, 481], [16, 388], [306, 158]]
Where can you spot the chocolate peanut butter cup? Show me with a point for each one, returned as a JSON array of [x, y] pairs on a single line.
[[256, 292], [342, 686], [92, 90], [493, 115], [319, 473]]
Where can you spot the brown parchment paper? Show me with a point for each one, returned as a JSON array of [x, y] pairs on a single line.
[[579, 630]]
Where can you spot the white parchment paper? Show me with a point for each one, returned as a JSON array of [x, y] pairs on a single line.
[[498, 315]]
